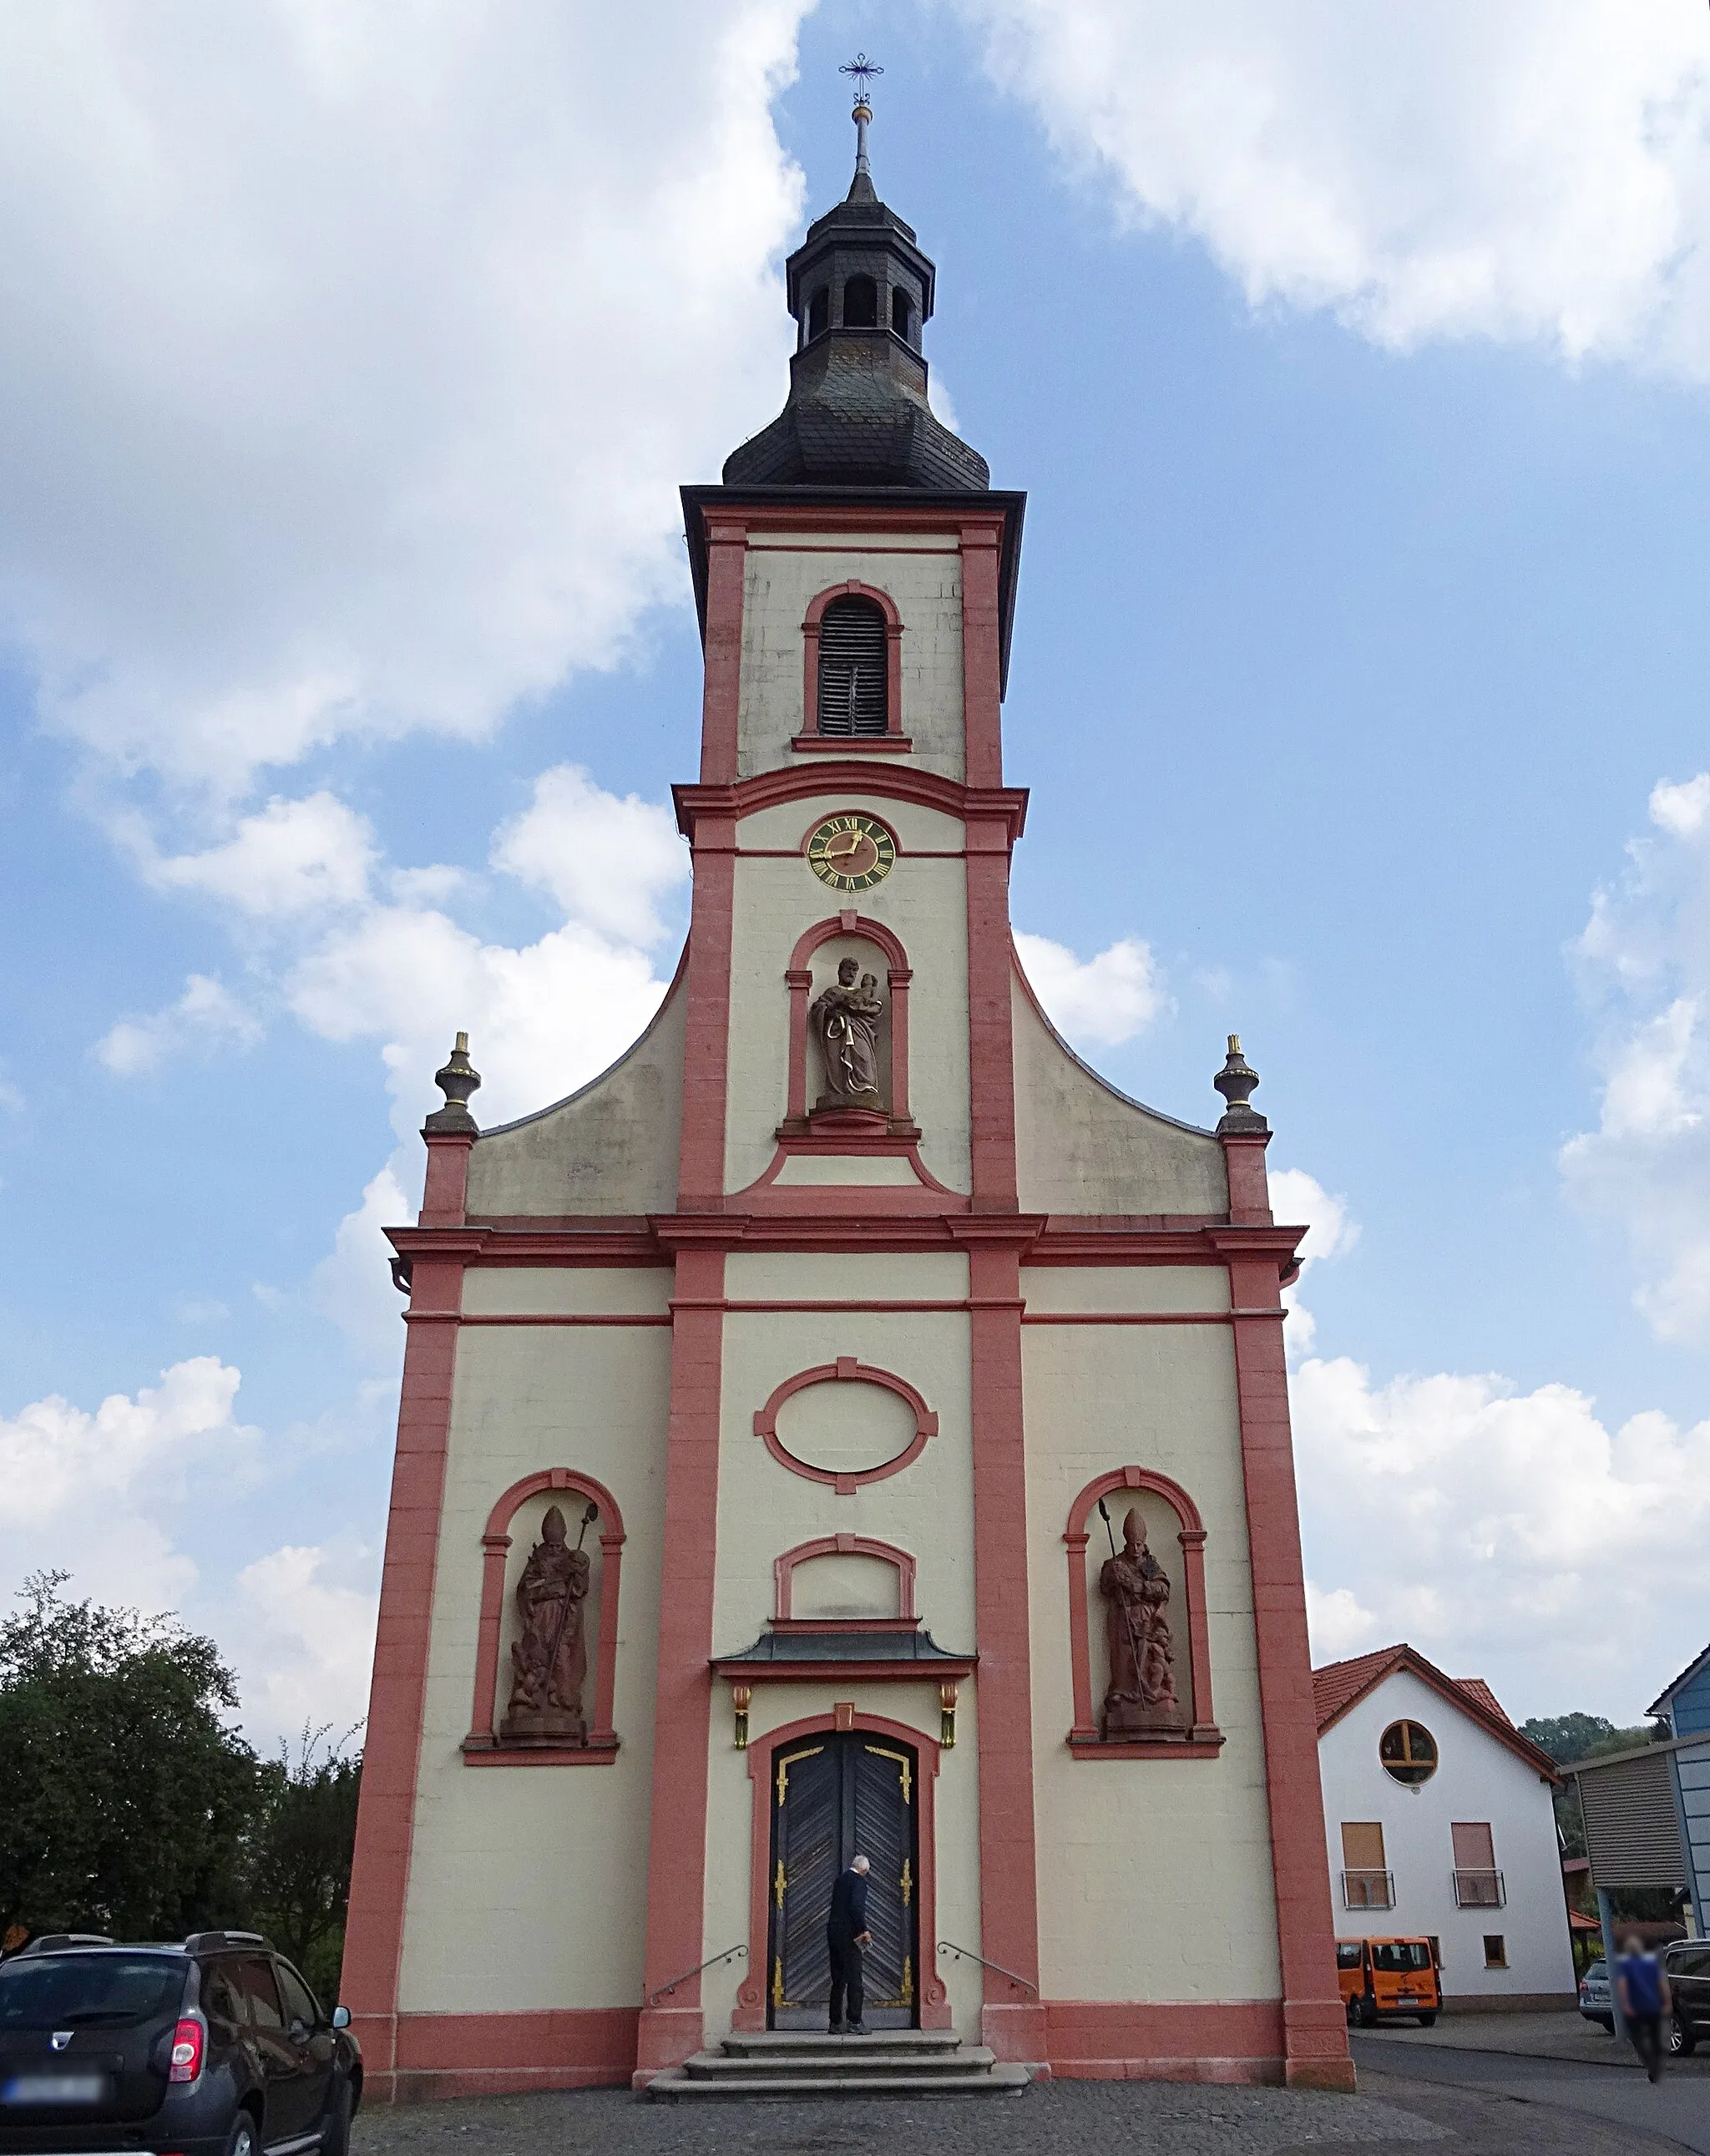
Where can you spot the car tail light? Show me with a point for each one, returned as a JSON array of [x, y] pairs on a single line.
[[189, 2041]]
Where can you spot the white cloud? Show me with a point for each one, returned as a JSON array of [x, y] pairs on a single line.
[[1644, 962], [1483, 1524], [1107, 999], [1297, 1197], [304, 1631], [1535, 170], [354, 356], [207, 1015], [292, 857], [1339, 1625], [606, 861], [93, 1493], [541, 1019], [352, 1285]]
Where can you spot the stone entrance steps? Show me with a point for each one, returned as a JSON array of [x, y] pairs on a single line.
[[889, 2062]]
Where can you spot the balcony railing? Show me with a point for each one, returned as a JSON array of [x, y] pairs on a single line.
[[1368, 1890], [1479, 1890]]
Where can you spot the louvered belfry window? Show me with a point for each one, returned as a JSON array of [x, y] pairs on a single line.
[[852, 668]]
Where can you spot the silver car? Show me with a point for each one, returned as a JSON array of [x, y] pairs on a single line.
[[1594, 2001]]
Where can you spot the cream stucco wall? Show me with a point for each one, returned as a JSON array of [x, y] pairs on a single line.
[[1154, 1876], [1081, 1146], [612, 1147], [923, 902], [924, 577], [528, 1885]]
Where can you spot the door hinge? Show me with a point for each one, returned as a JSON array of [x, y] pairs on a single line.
[[907, 1882], [777, 1885]]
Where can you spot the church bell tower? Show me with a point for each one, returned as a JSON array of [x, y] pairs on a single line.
[[852, 1316]]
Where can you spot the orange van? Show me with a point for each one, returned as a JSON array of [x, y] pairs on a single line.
[[1389, 1980]]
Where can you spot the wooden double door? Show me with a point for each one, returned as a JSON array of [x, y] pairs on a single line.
[[836, 1794]]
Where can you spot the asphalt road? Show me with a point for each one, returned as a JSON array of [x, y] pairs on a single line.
[[1676, 2110]]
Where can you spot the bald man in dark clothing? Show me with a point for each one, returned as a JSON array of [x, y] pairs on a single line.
[[845, 1934]]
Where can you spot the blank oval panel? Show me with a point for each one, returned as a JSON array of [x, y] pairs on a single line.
[[844, 1427]]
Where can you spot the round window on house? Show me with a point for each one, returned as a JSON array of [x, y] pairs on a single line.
[[1409, 1753]]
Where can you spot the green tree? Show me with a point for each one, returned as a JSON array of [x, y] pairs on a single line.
[[124, 1799], [300, 1860]]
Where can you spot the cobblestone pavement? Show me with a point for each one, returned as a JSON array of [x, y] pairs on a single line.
[[1066, 2118]]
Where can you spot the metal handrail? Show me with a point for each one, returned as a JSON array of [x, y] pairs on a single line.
[[665, 1991], [965, 1954]]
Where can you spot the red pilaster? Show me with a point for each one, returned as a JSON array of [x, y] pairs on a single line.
[[726, 557], [392, 1750], [1013, 2020], [982, 651], [707, 1042], [990, 1046], [676, 1864], [1314, 2023]]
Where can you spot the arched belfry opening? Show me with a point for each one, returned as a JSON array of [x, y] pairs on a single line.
[[861, 304], [853, 695]]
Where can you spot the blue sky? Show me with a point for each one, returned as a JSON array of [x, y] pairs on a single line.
[[1358, 677]]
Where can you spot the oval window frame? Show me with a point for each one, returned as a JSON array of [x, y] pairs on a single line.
[[845, 1370]]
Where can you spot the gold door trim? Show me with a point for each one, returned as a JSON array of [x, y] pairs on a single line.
[[785, 1764], [902, 1759]]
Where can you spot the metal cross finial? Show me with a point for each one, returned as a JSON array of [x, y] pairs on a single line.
[[862, 70]]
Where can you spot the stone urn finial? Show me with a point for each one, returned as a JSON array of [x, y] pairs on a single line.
[[456, 1080], [1236, 1081]]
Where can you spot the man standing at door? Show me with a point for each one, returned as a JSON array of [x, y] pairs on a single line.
[[845, 1935]]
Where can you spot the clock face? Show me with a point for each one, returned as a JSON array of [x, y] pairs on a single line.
[[851, 853]]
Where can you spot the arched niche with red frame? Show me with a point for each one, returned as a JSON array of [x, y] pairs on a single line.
[[845, 1370], [894, 740], [933, 1998], [783, 1569], [897, 1123], [482, 1747], [1204, 1739]]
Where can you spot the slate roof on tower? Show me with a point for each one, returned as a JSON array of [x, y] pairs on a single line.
[[857, 416]]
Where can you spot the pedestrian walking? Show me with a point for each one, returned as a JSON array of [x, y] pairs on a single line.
[[1643, 1991], [845, 1934]]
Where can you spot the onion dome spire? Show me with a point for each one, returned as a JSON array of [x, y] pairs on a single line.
[[861, 291]]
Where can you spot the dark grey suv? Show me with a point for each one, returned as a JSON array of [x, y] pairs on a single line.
[[216, 2047], [1686, 1965]]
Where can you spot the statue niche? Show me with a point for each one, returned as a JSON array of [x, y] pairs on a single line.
[[1140, 1699], [549, 1656]]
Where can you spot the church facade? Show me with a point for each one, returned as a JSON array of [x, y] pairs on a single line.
[[848, 1424]]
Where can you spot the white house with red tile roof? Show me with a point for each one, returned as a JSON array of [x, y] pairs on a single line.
[[1439, 1823]]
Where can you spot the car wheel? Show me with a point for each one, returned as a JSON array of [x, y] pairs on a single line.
[[1368, 2015], [1682, 2037], [1427, 2020], [244, 2141], [336, 2134]]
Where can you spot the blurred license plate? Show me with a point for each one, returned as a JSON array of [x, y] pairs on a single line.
[[1406, 1998], [55, 2088]]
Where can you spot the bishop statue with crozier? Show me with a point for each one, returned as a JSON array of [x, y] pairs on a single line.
[[549, 1659], [1141, 1698]]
